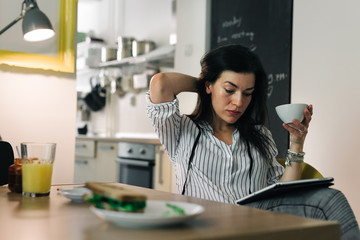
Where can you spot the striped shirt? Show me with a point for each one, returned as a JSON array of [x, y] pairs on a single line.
[[218, 172]]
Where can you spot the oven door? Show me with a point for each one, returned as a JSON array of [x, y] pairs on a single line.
[[135, 172]]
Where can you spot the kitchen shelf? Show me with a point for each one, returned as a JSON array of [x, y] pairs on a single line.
[[163, 56]]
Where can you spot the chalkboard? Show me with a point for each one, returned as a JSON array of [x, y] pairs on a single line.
[[265, 27]]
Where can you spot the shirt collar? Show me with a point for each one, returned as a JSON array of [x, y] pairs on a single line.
[[207, 127]]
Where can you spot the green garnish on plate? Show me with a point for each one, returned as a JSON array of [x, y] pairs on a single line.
[[175, 211]]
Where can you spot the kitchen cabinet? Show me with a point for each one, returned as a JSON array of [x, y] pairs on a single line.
[[95, 161], [106, 169], [85, 148], [164, 175], [84, 161]]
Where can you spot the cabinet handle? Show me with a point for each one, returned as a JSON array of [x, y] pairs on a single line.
[[79, 145], [105, 147], [161, 180], [133, 162], [85, 162]]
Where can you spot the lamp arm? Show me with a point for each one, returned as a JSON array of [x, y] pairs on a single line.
[[25, 7], [11, 24]]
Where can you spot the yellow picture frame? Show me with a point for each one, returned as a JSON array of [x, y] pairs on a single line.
[[64, 61]]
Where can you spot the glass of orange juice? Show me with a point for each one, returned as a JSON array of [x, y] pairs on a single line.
[[37, 166]]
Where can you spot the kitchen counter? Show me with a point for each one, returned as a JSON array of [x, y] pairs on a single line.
[[150, 138]]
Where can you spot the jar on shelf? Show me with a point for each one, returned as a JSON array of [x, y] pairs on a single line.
[[15, 176]]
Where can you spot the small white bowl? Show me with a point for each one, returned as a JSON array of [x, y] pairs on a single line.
[[75, 194], [287, 112]]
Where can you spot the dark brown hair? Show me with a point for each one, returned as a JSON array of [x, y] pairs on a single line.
[[238, 59]]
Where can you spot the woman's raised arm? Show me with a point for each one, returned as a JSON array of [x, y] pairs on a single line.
[[165, 86]]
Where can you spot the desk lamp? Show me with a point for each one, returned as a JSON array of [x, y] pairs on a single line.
[[36, 25]]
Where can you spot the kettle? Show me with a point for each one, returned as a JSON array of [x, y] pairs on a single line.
[[96, 99]]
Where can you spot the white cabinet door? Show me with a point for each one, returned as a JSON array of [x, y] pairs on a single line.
[[164, 176], [106, 167], [84, 169], [84, 161], [85, 148]]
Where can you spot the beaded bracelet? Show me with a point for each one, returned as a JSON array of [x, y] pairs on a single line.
[[294, 157]]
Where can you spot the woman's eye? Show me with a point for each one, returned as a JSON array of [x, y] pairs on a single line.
[[228, 90]]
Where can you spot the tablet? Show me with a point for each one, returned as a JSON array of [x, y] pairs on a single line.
[[282, 187]]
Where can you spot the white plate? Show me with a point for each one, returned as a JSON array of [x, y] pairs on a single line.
[[75, 194], [154, 215]]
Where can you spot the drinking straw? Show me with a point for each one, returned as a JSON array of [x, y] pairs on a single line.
[[18, 152]]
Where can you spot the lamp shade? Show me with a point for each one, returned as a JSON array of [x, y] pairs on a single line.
[[36, 25]]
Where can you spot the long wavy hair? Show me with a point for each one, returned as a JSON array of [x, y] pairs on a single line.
[[238, 59]]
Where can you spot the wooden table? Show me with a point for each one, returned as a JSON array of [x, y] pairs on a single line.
[[56, 217]]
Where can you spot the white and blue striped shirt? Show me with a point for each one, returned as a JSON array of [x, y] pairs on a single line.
[[219, 172]]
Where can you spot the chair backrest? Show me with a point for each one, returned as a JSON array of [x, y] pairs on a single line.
[[6, 159], [308, 171]]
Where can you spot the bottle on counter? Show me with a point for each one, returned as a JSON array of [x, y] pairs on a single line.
[[15, 176]]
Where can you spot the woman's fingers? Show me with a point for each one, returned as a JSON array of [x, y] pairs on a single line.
[[296, 127], [308, 112]]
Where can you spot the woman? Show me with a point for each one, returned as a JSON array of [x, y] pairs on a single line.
[[223, 151]]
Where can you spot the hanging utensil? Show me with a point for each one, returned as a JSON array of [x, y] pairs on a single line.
[[96, 99]]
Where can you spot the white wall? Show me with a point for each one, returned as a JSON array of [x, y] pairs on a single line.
[[141, 19], [191, 45], [325, 73], [40, 106], [144, 19]]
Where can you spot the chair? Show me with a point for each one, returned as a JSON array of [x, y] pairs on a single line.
[[6, 159], [308, 171]]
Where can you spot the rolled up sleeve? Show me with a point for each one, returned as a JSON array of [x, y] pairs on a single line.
[[166, 120]]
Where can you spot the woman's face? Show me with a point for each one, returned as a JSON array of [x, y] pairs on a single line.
[[231, 94]]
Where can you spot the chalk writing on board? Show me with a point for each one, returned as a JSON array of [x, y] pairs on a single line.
[[221, 39], [274, 78], [235, 21], [243, 34], [236, 31]]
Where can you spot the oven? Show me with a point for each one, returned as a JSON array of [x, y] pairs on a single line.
[[136, 163]]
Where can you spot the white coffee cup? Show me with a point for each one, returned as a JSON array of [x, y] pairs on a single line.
[[288, 112]]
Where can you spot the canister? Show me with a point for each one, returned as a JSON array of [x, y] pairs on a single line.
[[108, 54], [124, 47], [142, 47]]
